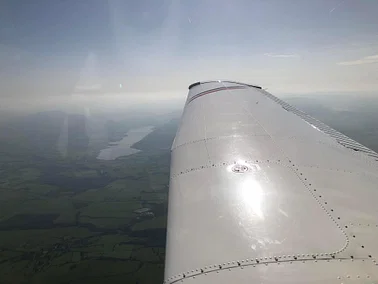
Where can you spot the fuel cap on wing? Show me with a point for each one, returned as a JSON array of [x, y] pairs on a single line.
[[238, 168]]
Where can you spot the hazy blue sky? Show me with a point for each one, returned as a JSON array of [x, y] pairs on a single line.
[[298, 46]]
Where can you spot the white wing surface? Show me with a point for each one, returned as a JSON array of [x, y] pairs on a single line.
[[263, 193]]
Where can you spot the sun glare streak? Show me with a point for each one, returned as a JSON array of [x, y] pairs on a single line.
[[252, 196]]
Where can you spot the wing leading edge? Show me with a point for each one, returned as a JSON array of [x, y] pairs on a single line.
[[263, 193]]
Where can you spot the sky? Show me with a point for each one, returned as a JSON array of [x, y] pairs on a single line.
[[149, 49]]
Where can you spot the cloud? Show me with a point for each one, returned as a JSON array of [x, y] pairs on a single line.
[[365, 60], [281, 55]]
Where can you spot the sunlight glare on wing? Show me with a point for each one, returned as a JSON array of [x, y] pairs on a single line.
[[252, 196]]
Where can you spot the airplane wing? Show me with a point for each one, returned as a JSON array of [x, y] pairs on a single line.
[[260, 192]]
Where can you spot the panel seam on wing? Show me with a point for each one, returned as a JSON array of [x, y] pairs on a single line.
[[314, 191], [254, 262], [270, 161], [364, 225], [303, 179], [226, 163], [363, 174], [307, 185], [214, 138], [302, 139]]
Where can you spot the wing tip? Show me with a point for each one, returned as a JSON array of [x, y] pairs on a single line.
[[193, 85], [204, 82]]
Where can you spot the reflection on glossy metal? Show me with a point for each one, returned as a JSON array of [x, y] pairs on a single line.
[[252, 197], [240, 169], [253, 186]]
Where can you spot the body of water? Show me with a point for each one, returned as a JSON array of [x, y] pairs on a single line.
[[123, 147]]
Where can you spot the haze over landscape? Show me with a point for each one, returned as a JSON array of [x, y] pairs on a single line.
[[91, 93], [61, 47]]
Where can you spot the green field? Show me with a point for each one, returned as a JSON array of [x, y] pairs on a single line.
[[71, 219]]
